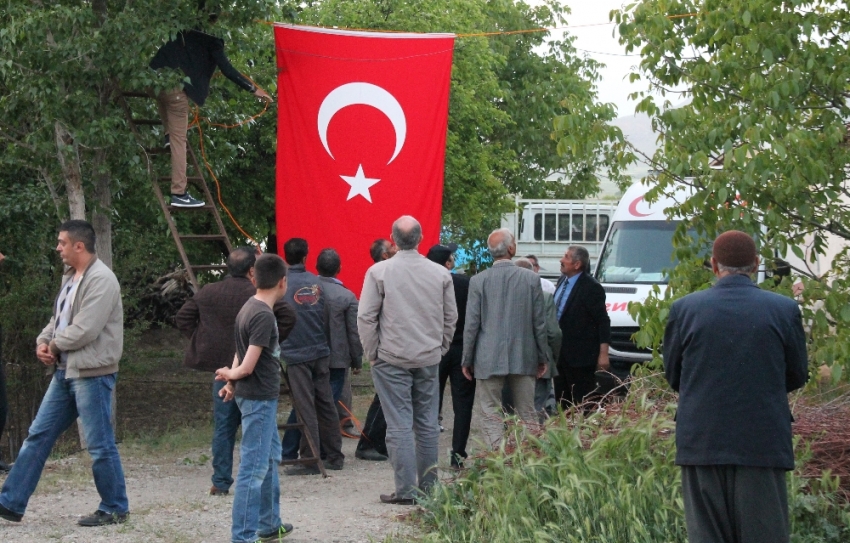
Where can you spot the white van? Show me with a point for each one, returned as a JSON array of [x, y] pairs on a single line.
[[638, 248], [545, 228]]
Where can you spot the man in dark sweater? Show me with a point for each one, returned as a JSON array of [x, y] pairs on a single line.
[[733, 352], [197, 55], [307, 356], [208, 319]]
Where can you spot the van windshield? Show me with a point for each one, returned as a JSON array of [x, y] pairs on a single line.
[[637, 252]]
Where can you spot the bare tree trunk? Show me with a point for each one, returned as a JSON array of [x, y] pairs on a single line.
[[70, 162], [100, 217]]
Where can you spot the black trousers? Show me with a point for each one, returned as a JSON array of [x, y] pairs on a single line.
[[735, 504], [374, 434], [574, 386], [463, 397]]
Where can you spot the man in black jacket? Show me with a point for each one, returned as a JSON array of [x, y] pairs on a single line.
[[586, 327], [197, 55], [463, 389], [733, 352], [209, 319]]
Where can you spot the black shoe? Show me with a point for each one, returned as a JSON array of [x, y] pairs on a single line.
[[335, 467], [395, 500], [11, 516], [302, 470], [370, 454], [102, 518], [166, 142], [216, 491], [185, 200], [282, 531]]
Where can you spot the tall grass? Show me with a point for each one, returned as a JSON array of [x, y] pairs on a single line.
[[609, 477]]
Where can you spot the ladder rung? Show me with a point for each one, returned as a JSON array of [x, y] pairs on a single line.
[[209, 267], [135, 94], [203, 237], [148, 122]]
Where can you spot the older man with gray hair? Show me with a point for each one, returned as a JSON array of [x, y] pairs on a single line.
[[406, 321], [504, 341]]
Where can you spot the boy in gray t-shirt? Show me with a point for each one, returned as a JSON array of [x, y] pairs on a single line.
[[254, 382]]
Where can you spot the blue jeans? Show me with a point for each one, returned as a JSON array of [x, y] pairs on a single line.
[[226, 419], [89, 398], [256, 502], [292, 437]]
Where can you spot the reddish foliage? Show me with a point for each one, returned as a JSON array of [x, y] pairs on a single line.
[[825, 429]]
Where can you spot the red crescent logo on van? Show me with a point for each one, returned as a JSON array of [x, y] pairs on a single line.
[[633, 208]]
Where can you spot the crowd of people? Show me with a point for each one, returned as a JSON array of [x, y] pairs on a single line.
[[506, 339]]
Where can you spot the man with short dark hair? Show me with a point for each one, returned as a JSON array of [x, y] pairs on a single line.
[[586, 327], [373, 438], [406, 322], [307, 356], [547, 285], [463, 390], [733, 352], [504, 342], [82, 345], [208, 319]]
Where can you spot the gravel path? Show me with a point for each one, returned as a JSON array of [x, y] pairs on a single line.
[[170, 502]]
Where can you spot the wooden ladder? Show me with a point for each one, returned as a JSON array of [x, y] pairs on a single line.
[[299, 425], [167, 209]]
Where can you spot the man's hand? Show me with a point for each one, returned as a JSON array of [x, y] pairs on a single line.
[[226, 392], [603, 364], [42, 352], [262, 95], [468, 372], [541, 370]]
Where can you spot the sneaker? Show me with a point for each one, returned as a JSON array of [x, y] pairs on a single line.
[[396, 500], [166, 142], [11, 516], [216, 491], [302, 470], [282, 531], [370, 454], [185, 200], [102, 518]]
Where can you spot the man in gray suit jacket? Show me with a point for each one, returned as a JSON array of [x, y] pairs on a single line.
[[733, 352], [505, 335]]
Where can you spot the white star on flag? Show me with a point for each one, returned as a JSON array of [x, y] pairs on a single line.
[[359, 184]]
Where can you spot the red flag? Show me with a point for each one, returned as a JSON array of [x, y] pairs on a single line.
[[361, 138]]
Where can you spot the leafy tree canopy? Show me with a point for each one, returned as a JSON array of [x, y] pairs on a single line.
[[766, 84]]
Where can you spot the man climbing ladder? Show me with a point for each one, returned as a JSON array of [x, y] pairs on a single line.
[[197, 55]]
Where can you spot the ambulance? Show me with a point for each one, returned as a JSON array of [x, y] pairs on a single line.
[[637, 249]]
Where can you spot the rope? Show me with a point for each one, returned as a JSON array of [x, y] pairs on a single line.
[[196, 121], [477, 34]]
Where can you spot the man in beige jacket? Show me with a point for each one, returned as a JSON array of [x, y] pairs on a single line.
[[82, 344], [406, 321]]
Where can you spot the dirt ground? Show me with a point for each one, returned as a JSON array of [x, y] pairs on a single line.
[[168, 486]]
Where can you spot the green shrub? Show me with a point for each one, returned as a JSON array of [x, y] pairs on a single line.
[[609, 477]]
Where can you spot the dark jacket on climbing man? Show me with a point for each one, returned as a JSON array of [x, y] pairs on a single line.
[[197, 55]]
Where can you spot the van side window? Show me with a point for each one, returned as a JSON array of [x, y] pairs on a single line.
[[570, 227], [545, 226]]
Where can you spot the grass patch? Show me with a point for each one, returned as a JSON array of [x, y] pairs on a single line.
[[172, 441], [609, 477]]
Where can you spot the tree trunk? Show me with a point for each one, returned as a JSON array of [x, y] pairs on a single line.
[[69, 159], [100, 217]]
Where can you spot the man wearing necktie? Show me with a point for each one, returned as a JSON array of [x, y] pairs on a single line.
[[580, 304]]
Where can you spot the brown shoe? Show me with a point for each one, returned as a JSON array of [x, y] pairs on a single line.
[[216, 491], [394, 500]]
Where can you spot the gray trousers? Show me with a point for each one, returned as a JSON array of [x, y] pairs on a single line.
[[735, 504], [410, 400], [488, 394], [311, 390]]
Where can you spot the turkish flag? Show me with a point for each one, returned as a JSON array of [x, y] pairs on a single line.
[[361, 139]]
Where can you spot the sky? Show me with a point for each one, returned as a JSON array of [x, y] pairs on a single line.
[[600, 43]]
